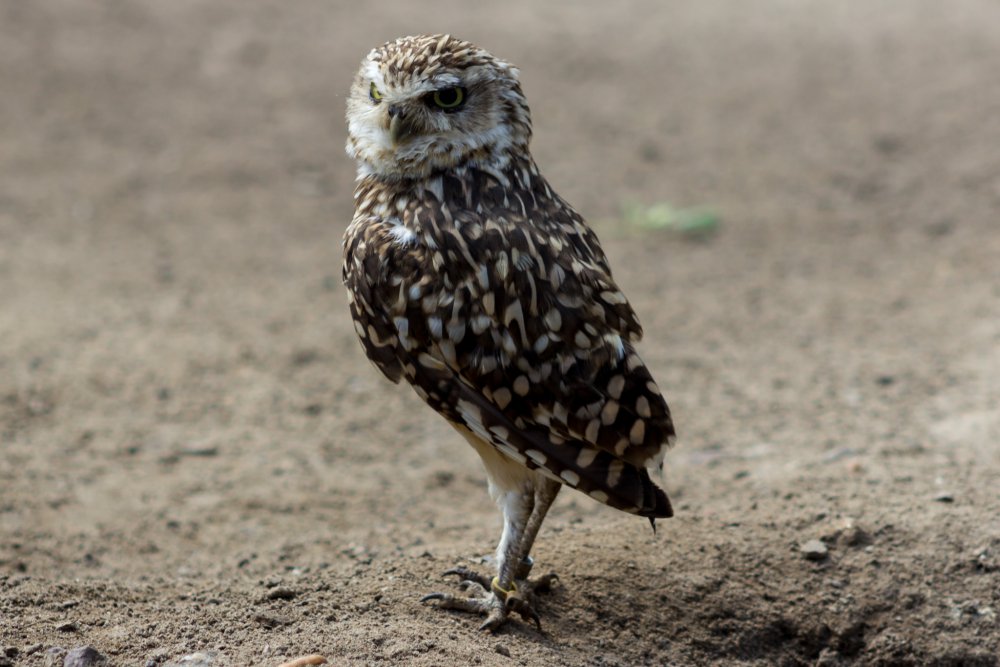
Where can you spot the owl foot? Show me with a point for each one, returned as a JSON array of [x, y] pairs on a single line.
[[486, 598]]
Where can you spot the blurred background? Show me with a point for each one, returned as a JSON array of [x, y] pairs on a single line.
[[187, 423]]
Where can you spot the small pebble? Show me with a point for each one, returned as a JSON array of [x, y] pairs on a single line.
[[269, 621], [855, 536], [281, 593], [68, 626], [829, 658], [944, 498], [54, 656], [304, 661], [502, 650], [84, 656], [814, 550], [193, 660]]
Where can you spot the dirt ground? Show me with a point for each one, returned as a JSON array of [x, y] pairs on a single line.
[[199, 467]]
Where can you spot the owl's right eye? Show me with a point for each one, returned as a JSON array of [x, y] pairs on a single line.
[[374, 94]]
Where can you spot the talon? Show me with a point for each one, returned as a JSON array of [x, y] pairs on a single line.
[[468, 575], [488, 598], [472, 588], [493, 622], [526, 611]]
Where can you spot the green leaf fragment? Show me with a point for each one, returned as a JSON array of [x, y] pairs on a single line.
[[695, 220]]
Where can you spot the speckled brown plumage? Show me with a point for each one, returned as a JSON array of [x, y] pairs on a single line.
[[470, 278]]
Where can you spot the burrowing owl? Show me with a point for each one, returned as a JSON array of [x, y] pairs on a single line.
[[471, 278]]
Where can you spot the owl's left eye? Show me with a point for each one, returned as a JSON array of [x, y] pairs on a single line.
[[448, 99], [374, 94]]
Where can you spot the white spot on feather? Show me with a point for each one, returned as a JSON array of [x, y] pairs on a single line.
[[456, 331], [609, 413], [638, 432], [586, 457], [570, 477], [613, 298], [642, 407], [502, 397], [427, 361], [615, 386], [435, 326], [553, 319], [615, 472], [536, 456], [480, 323], [500, 432], [599, 496], [512, 453], [448, 351]]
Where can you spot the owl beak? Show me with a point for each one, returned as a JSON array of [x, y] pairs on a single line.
[[400, 128]]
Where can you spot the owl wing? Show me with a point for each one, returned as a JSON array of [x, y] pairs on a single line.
[[507, 320]]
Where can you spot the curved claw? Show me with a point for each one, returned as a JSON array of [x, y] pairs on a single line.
[[472, 588], [516, 603], [468, 575], [483, 597], [494, 621]]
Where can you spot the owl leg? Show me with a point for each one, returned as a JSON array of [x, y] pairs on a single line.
[[523, 599], [489, 597], [511, 590], [538, 505], [524, 496], [545, 495]]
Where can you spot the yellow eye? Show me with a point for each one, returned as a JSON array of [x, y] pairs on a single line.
[[374, 94], [449, 98]]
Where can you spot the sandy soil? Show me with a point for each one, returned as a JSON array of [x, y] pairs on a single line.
[[196, 457]]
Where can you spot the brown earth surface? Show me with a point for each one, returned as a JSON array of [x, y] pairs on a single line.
[[197, 458]]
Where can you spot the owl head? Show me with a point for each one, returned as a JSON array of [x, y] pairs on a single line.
[[426, 104]]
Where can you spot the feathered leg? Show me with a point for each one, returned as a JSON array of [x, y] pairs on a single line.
[[545, 495], [524, 497], [491, 597]]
